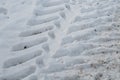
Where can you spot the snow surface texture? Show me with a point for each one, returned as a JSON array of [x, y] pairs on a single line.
[[59, 40]]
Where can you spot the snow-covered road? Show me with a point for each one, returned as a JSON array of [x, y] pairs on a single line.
[[59, 40]]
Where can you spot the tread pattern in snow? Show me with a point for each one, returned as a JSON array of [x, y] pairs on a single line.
[[67, 41]]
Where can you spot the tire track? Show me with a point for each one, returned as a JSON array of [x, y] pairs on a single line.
[[85, 39], [51, 13], [74, 41]]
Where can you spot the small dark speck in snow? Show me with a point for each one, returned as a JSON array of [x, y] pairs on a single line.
[[95, 30], [25, 47]]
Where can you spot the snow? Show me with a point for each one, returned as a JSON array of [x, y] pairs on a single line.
[[13, 15], [59, 40]]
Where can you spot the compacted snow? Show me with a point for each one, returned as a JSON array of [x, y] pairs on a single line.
[[59, 40]]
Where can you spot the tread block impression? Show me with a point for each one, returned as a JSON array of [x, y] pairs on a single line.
[[26, 45], [32, 32], [19, 74], [21, 59]]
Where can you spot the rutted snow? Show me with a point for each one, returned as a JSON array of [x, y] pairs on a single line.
[[59, 40], [12, 22]]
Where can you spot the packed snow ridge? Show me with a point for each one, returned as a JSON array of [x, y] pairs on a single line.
[[59, 40]]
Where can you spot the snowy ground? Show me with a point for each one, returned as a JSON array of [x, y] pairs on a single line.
[[59, 40]]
